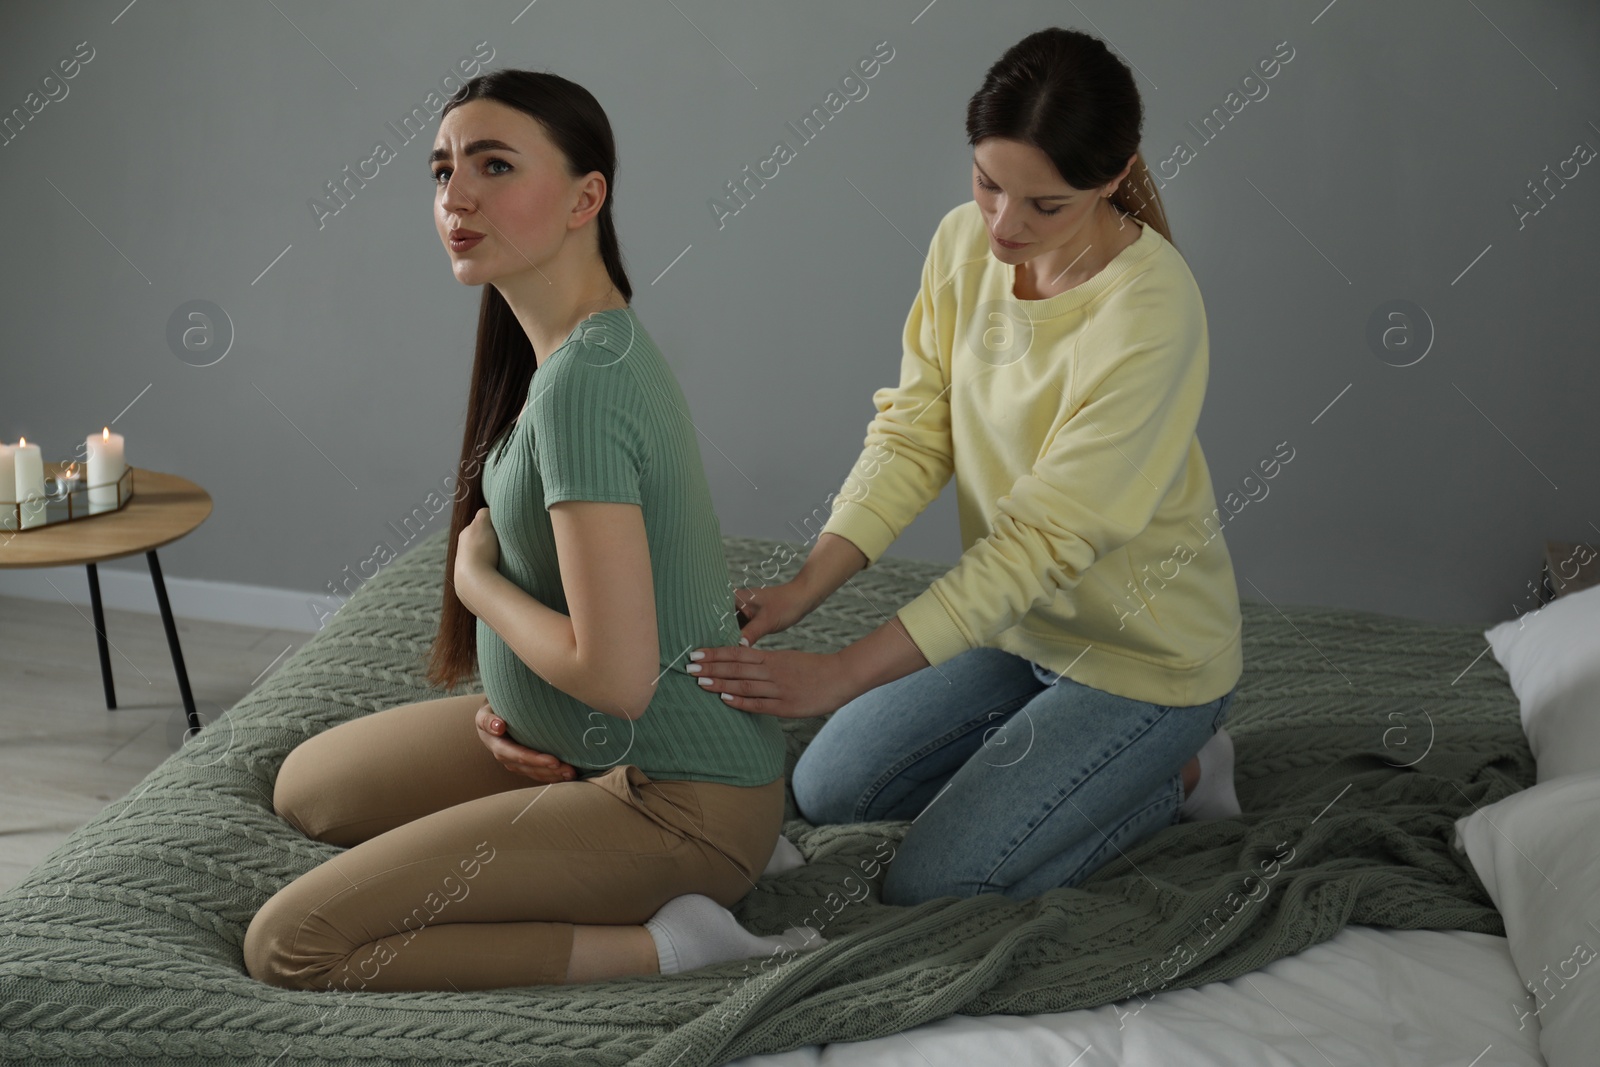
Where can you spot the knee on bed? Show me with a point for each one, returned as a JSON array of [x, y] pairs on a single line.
[[820, 797], [272, 955], [294, 796], [905, 887]]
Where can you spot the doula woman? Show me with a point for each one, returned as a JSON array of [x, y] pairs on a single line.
[[1058, 696]]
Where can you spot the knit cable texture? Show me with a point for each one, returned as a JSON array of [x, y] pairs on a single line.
[[1358, 742]]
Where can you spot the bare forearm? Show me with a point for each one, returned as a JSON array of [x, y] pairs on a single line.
[[542, 637], [882, 656], [831, 562]]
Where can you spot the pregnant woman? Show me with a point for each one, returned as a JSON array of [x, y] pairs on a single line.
[[583, 567], [1058, 696]]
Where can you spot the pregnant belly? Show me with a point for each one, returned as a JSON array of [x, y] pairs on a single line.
[[539, 716], [505, 681]]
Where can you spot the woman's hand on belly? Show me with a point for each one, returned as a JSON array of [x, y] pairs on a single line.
[[477, 553], [540, 766]]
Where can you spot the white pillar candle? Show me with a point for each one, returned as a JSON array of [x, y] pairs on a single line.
[[106, 466], [8, 486], [29, 467]]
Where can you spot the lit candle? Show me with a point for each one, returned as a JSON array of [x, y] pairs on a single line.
[[8, 486], [68, 482], [105, 468], [29, 467]]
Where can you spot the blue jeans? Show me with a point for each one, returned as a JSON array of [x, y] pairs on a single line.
[[1018, 780]]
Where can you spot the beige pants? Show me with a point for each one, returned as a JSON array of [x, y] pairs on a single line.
[[461, 874]]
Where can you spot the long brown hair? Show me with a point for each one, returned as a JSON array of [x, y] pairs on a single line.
[[1063, 92], [503, 363]]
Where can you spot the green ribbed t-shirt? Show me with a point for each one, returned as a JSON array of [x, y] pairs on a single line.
[[606, 420]]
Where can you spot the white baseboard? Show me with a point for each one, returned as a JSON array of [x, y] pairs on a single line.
[[191, 598]]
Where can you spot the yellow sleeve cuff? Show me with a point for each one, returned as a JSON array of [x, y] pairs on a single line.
[[934, 630], [861, 527]]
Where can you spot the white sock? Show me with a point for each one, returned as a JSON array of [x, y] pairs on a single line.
[[694, 931], [785, 857], [1213, 796]]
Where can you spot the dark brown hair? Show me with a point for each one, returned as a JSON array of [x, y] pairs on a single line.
[[503, 363], [1063, 92]]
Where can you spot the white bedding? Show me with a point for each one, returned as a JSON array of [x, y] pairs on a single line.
[[1368, 996]]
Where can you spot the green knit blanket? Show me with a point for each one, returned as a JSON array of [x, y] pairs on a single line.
[[1360, 738]]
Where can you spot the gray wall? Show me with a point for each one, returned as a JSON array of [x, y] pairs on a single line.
[[1385, 160]]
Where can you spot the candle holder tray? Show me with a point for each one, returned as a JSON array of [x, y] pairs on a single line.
[[64, 501]]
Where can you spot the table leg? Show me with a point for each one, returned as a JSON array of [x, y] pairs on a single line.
[[100, 636], [172, 641]]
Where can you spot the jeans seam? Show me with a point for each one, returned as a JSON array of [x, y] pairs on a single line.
[[1066, 794], [1088, 865], [893, 771]]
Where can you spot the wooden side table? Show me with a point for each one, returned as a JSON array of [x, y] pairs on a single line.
[[164, 508]]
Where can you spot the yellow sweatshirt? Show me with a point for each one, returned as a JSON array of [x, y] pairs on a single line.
[[1091, 539]]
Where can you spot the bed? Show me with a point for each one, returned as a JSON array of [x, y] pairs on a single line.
[[1333, 922], [1368, 996]]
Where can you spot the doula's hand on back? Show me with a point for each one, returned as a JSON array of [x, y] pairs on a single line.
[[770, 609], [540, 766]]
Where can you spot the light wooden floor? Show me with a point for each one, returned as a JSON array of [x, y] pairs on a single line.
[[63, 754]]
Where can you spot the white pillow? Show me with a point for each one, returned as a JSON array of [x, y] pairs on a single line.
[[1553, 658], [1538, 854]]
